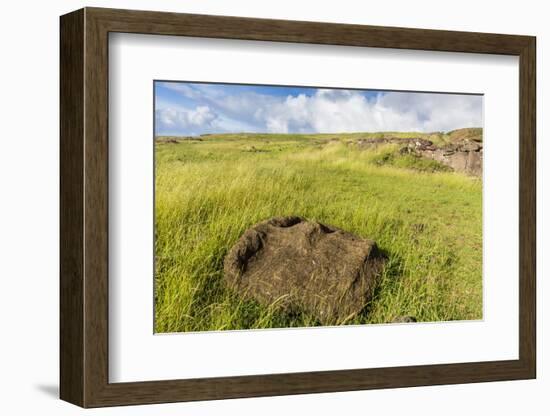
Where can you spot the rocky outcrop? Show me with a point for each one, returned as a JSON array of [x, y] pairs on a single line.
[[408, 142], [465, 156], [291, 263]]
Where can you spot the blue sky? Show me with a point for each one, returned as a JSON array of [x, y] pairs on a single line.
[[183, 108]]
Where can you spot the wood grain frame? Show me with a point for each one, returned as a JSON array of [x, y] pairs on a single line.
[[84, 207]]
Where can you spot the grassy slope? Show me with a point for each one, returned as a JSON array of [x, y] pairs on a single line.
[[208, 192]]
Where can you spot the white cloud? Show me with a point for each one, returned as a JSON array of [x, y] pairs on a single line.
[[436, 112], [347, 111], [171, 119], [220, 108]]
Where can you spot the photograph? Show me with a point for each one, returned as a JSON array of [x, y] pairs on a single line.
[[299, 206], [244, 200]]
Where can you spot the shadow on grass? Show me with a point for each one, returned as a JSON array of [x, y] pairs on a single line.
[[392, 273]]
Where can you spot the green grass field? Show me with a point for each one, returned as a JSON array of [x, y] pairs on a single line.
[[427, 220]]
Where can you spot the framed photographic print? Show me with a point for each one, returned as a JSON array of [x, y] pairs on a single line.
[[255, 207]]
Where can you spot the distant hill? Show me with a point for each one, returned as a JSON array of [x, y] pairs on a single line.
[[439, 138], [473, 133]]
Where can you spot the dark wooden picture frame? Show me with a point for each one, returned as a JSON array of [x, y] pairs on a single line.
[[84, 207]]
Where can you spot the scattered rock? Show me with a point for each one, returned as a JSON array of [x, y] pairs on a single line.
[[254, 149], [177, 139], [375, 142], [464, 153], [461, 158], [465, 156], [167, 140], [295, 263]]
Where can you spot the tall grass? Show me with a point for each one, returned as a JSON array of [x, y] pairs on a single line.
[[208, 193]]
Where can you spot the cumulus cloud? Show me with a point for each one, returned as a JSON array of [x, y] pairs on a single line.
[[348, 111], [435, 112], [174, 120], [267, 109]]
